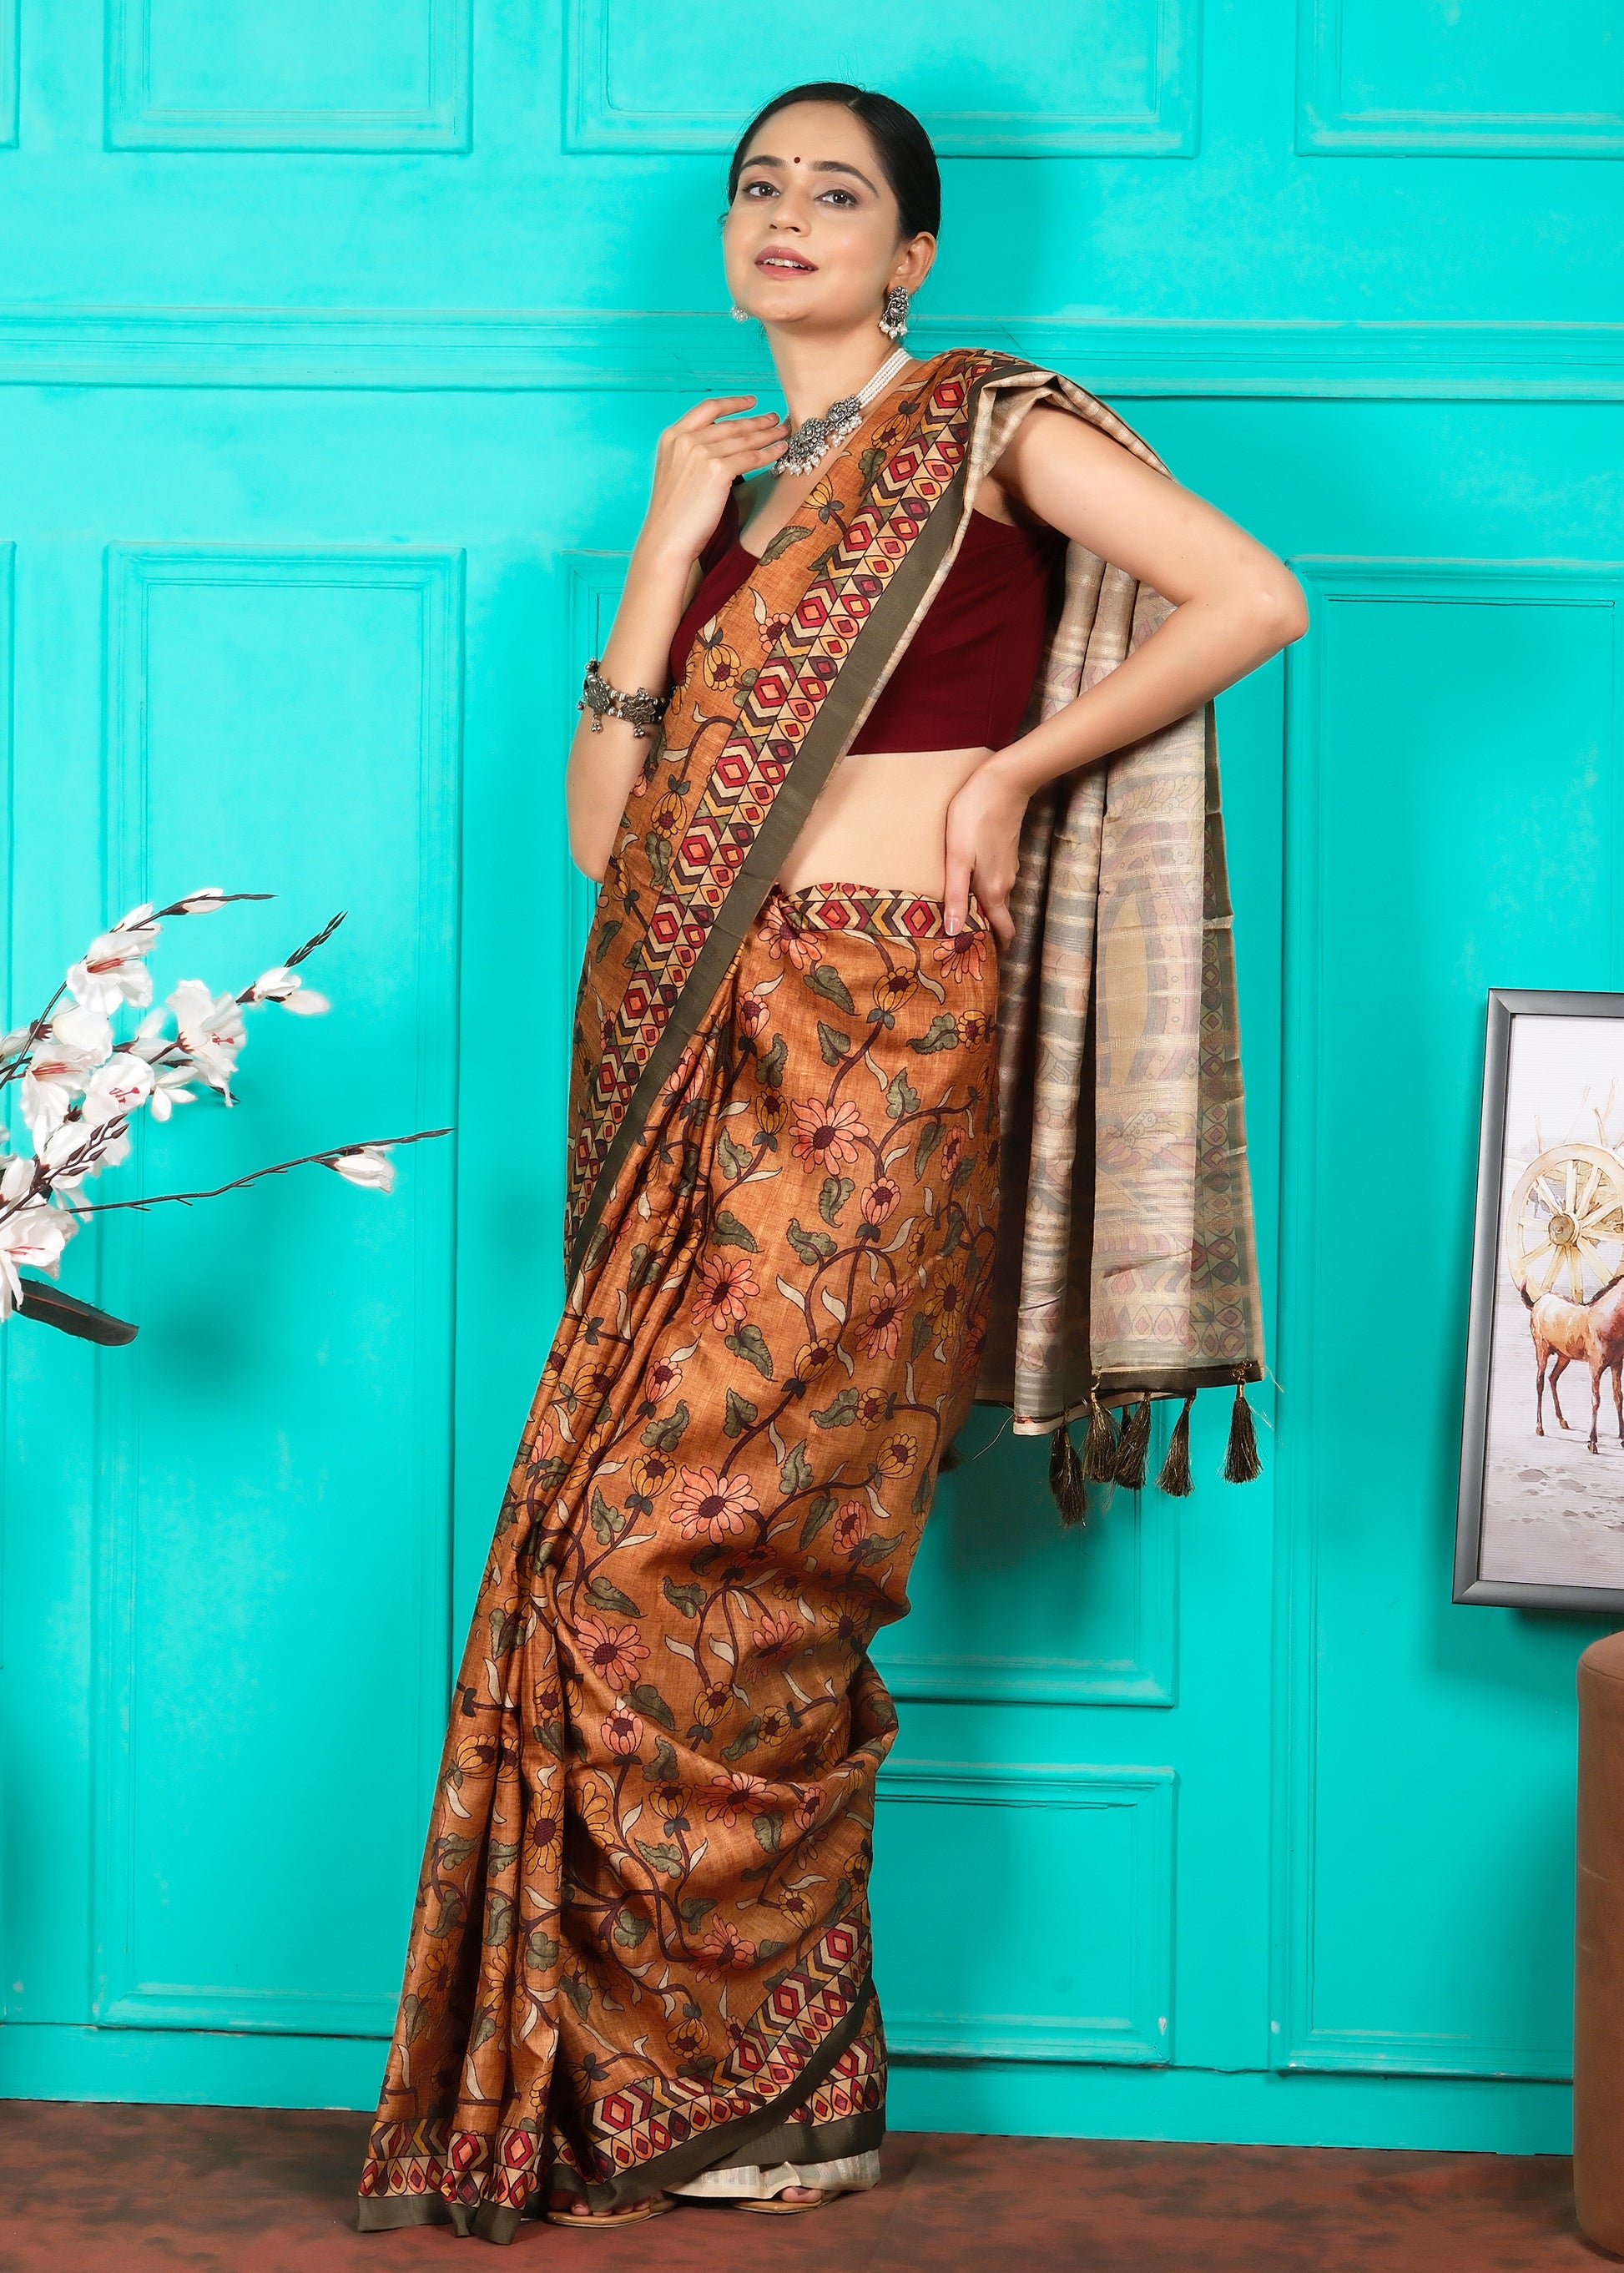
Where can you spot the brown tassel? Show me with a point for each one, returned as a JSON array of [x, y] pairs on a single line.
[[1100, 1444], [1066, 1478], [1241, 1463], [1175, 1477], [1132, 1446]]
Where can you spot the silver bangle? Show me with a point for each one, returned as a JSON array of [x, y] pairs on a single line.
[[640, 711]]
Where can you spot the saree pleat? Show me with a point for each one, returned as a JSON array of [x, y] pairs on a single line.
[[641, 1945]]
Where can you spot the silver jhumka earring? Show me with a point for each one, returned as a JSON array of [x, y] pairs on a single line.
[[741, 315], [894, 316]]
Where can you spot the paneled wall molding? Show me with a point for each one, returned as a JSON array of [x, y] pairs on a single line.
[[603, 112], [9, 1009], [8, 74], [139, 119], [1145, 1672], [1141, 2035], [1304, 2037], [567, 351], [1330, 118], [125, 1808]]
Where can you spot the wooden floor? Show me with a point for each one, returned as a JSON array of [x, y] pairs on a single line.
[[106, 2189]]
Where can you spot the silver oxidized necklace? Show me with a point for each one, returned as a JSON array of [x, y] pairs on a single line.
[[815, 436]]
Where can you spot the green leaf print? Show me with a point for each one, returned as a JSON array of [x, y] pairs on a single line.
[[727, 1231], [652, 1706], [696, 1908], [608, 1522], [824, 980], [745, 1741], [841, 1412], [658, 850], [540, 1949], [778, 544], [901, 1097], [579, 1991], [811, 1246], [818, 1515], [929, 1137], [795, 1475], [834, 1045], [663, 1768], [749, 1343], [833, 1197], [769, 1829], [603, 1596], [770, 1067], [921, 1333], [940, 1034], [629, 1929], [740, 1415], [736, 1159], [688, 1600], [665, 1436], [660, 1854]]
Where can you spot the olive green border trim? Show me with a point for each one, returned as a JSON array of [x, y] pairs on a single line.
[[820, 2142], [720, 2147], [383, 2213], [1126, 1387], [836, 722], [723, 2145]]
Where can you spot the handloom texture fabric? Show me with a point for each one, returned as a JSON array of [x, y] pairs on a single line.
[[640, 1944], [1128, 1266]]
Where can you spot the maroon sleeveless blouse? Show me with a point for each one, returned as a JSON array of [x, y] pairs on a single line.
[[967, 676]]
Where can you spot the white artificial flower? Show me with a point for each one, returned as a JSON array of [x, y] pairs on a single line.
[[10, 1044], [136, 917], [283, 985], [368, 1166], [77, 1041], [170, 1089], [115, 971], [33, 1237], [211, 1031], [122, 1086], [201, 904]]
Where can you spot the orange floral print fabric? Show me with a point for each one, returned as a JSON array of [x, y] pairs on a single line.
[[641, 1946]]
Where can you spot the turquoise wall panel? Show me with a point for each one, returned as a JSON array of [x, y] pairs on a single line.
[[332, 354]]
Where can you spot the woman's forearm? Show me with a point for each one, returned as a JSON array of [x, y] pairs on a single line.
[[603, 765], [1204, 645]]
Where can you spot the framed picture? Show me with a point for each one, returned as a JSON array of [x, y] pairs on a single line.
[[1540, 1523]]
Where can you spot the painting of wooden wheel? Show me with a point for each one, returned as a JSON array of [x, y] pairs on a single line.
[[1565, 1225]]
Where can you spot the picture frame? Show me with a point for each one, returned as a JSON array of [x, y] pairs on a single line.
[[1540, 1518]]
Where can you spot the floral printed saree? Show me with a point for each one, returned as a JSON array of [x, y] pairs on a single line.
[[640, 1950]]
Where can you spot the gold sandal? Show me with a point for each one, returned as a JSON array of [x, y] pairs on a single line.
[[775, 2205], [602, 2220]]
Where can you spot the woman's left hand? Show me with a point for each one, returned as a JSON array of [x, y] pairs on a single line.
[[983, 849]]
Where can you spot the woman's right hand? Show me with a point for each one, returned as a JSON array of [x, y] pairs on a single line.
[[696, 464]]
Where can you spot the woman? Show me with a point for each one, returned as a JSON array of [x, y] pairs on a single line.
[[639, 1966]]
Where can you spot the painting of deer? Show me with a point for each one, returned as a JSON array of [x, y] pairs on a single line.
[[1568, 1332]]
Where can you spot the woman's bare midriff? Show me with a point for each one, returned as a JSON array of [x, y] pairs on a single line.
[[881, 819]]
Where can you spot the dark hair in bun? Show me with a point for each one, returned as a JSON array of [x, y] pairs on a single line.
[[901, 143]]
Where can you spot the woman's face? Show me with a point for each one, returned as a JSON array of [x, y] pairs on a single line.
[[812, 239]]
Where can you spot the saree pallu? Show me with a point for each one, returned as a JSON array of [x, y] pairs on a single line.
[[640, 1948]]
